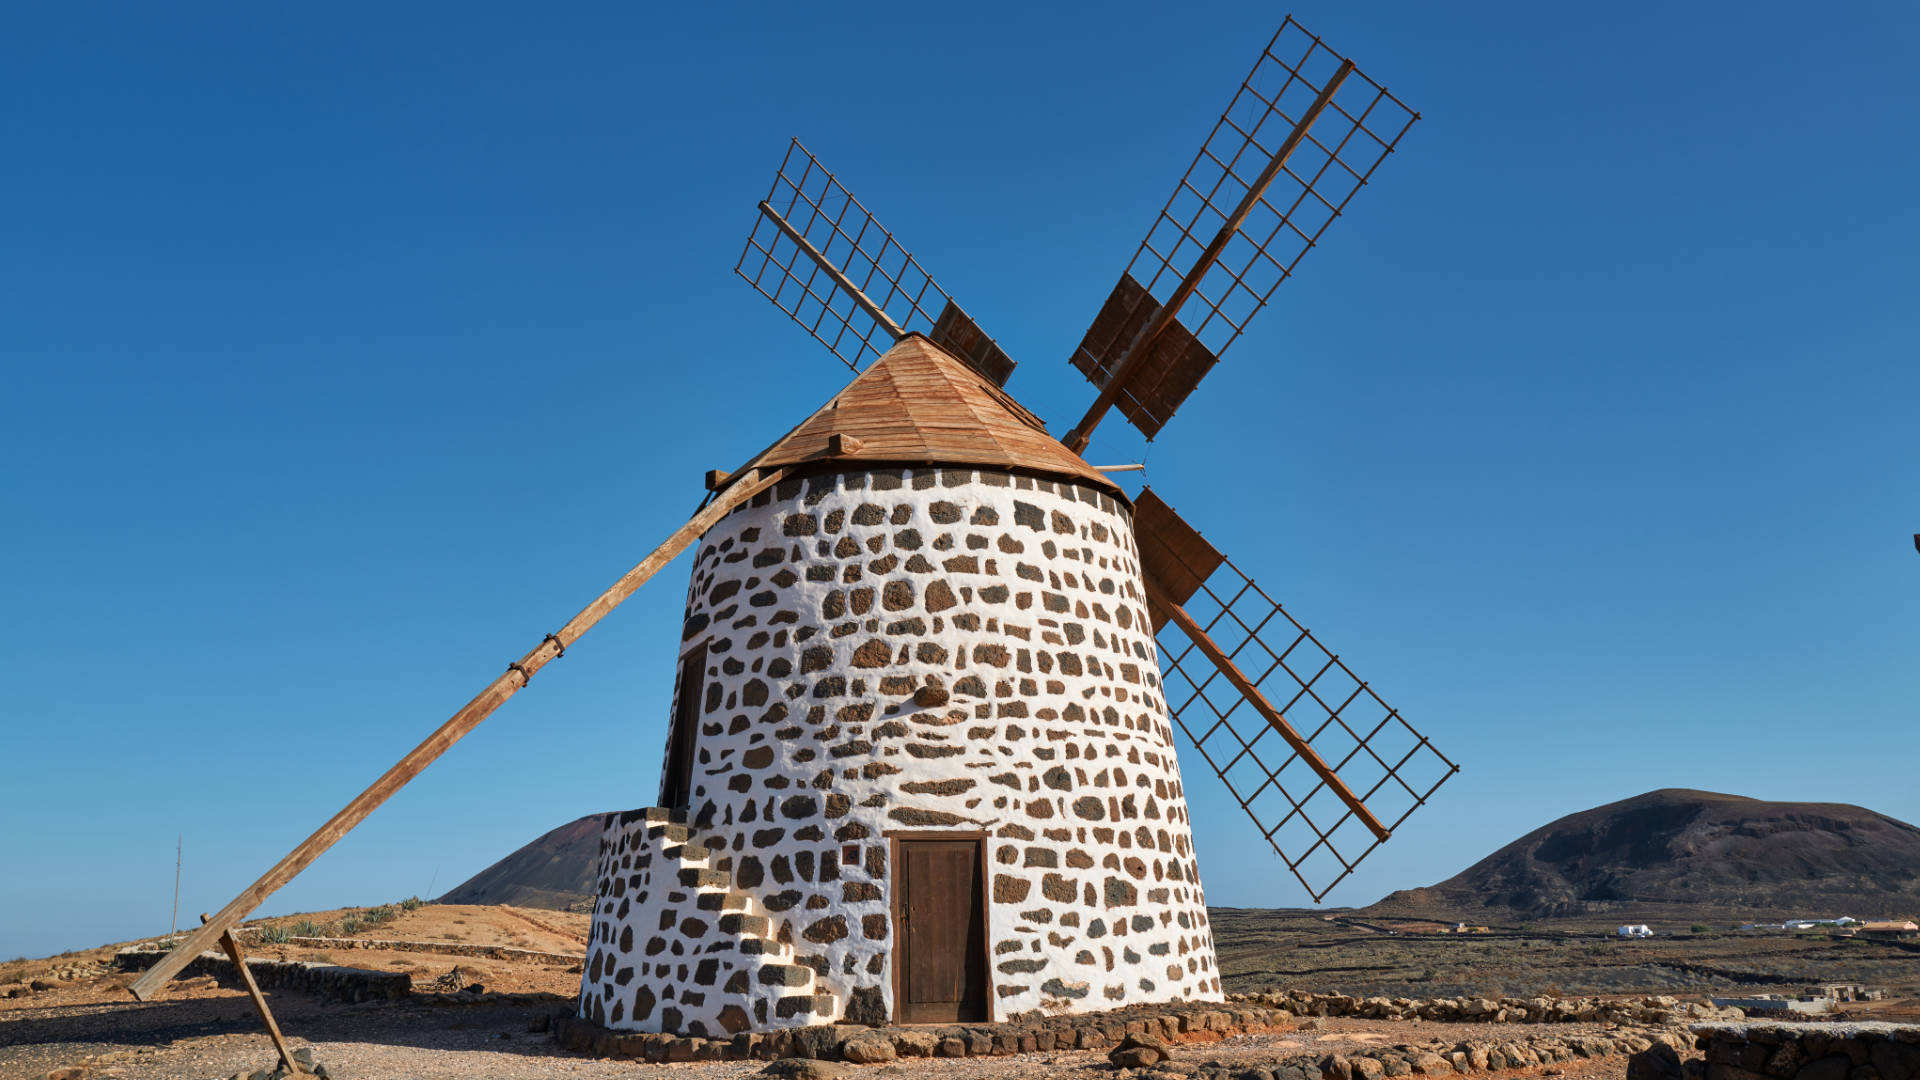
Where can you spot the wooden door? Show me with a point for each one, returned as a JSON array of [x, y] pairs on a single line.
[[940, 960], [676, 783]]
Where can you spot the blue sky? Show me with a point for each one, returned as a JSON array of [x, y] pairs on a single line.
[[349, 350]]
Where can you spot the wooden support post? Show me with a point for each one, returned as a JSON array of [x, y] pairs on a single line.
[[517, 675], [232, 946], [1077, 439], [1178, 615]]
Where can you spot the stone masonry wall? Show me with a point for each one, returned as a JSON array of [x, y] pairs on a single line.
[[331, 981], [935, 650], [690, 954], [1773, 1050]]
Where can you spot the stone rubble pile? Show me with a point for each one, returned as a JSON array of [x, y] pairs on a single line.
[[279, 1071], [1651, 1011], [1483, 1055], [54, 979]]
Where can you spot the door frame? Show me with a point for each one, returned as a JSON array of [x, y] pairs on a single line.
[[895, 896], [672, 762]]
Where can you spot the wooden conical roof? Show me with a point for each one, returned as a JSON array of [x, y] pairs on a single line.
[[920, 405]]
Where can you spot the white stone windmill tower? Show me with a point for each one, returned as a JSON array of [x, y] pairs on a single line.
[[922, 765], [921, 762]]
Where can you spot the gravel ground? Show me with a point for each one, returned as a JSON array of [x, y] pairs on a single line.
[[214, 1035]]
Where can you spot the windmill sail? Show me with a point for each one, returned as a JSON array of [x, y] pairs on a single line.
[[1323, 766], [1301, 137], [822, 258]]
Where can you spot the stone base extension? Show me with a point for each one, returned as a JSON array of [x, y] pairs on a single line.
[[1197, 1022], [1650, 1051], [676, 948]]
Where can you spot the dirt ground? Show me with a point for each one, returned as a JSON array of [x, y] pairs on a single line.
[[208, 1033], [1339, 953], [463, 924], [83, 1015]]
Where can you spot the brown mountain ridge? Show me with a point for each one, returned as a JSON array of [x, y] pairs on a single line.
[[1697, 852], [553, 871], [1671, 853]]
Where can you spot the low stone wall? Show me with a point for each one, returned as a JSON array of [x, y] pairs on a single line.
[[1650, 1011], [329, 981], [444, 948], [1494, 1055], [1777, 1050]]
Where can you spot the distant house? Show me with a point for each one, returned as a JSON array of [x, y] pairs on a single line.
[[1635, 930], [1890, 931], [1815, 924], [1775, 1003], [1848, 992]]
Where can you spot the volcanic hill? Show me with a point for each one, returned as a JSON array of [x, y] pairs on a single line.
[[554, 871], [1677, 851]]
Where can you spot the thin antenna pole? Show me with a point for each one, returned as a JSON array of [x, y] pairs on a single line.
[[1082, 433], [179, 843], [431, 882]]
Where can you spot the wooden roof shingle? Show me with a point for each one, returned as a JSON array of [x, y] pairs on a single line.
[[920, 405]]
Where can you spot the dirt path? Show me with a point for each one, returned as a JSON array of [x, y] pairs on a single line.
[[212, 1034], [578, 937]]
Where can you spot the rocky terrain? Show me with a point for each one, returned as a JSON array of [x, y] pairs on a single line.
[[1687, 855], [1366, 1000], [1365, 955], [1534, 985]]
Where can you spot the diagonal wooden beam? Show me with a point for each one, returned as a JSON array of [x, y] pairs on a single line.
[[1179, 617], [517, 675]]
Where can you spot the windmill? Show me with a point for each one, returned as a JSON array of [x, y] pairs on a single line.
[[1300, 138], [921, 764]]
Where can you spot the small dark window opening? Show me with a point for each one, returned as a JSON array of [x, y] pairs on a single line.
[[676, 781]]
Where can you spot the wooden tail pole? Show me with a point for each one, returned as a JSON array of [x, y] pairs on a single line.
[[1178, 615], [1077, 439], [517, 675], [232, 945]]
